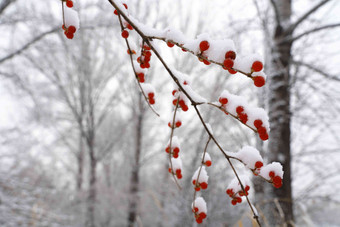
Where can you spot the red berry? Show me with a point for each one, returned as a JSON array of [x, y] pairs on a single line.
[[179, 176], [199, 220], [152, 101], [258, 164], [170, 44], [231, 71], [169, 170], [204, 45], [141, 77], [125, 34], [243, 118], [151, 95], [230, 54], [169, 124], [239, 109], [69, 3], [167, 150], [233, 202], [239, 199], [277, 182], [69, 35], [178, 171], [264, 136], [202, 215], [185, 108], [206, 62], [184, 50], [126, 7], [259, 81], [63, 27], [174, 102], [176, 150], [195, 209], [129, 27], [178, 124], [261, 130], [204, 185], [71, 29], [146, 47], [208, 163], [115, 12], [247, 188], [174, 92], [197, 189], [181, 102], [194, 182], [257, 66], [175, 155], [228, 63], [148, 53], [147, 65], [271, 174], [258, 123], [223, 100]]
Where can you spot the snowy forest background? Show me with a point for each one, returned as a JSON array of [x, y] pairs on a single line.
[[52, 89]]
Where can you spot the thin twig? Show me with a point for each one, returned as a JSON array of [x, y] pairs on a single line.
[[134, 70]]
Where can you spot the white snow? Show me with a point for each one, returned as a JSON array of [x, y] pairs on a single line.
[[200, 204], [203, 175], [71, 18], [274, 166], [249, 156]]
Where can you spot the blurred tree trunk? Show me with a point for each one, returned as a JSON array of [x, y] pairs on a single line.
[[280, 116], [134, 180], [80, 160]]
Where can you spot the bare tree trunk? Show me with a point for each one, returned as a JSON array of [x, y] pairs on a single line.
[[91, 200], [134, 180], [80, 160], [280, 117]]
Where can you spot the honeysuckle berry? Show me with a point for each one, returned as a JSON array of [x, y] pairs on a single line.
[[204, 45], [230, 54], [259, 81], [170, 44], [141, 78], [71, 29], [69, 35], [69, 3], [264, 136], [125, 34], [228, 63], [128, 26], [206, 62], [178, 124], [243, 118], [257, 66], [223, 100], [239, 109], [208, 163], [231, 71], [258, 164], [258, 123]]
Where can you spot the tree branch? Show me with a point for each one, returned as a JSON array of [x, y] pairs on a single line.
[[293, 26], [276, 12], [291, 39]]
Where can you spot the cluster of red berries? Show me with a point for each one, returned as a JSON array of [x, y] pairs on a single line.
[[177, 173], [228, 62], [178, 124], [259, 80], [257, 168], [261, 129], [144, 59], [69, 32], [236, 197], [140, 77], [204, 45], [241, 114], [275, 180], [199, 185], [174, 151], [199, 216], [69, 3], [180, 100], [116, 12], [151, 97]]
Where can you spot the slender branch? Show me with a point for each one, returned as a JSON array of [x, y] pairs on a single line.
[[170, 144], [27, 45], [291, 39], [134, 69], [5, 4], [293, 26], [315, 69]]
